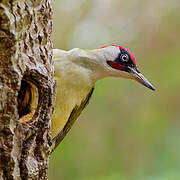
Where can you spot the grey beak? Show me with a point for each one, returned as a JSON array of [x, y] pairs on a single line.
[[141, 79]]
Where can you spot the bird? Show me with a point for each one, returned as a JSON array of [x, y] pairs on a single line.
[[76, 73]]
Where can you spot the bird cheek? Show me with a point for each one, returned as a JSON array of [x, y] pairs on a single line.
[[115, 65]]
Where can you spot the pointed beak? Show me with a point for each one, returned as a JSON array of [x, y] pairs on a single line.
[[140, 78]]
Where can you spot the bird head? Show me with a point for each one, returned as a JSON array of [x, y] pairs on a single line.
[[120, 62]]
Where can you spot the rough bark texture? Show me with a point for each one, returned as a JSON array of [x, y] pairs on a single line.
[[26, 88]]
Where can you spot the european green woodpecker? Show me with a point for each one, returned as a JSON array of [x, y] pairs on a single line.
[[77, 71]]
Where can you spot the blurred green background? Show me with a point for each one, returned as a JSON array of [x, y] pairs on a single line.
[[127, 132]]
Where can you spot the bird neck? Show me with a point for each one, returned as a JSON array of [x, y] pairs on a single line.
[[76, 68], [88, 66], [92, 60]]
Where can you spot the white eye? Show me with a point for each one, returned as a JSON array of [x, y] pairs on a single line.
[[124, 57]]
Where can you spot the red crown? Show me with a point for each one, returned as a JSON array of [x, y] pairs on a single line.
[[121, 47]]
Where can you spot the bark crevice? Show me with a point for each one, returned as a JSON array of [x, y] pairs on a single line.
[[27, 88]]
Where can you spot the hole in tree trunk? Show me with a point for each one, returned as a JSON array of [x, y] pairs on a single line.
[[27, 101]]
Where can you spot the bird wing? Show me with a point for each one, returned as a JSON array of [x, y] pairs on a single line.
[[72, 118]]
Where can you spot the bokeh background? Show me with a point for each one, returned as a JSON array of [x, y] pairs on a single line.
[[126, 132]]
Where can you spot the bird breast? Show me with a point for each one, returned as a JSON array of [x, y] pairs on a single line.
[[73, 85]]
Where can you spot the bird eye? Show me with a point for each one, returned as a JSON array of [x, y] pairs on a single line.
[[124, 57]]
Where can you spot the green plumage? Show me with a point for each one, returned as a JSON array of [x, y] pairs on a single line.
[[72, 118]]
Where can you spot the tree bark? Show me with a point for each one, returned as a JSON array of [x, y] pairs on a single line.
[[27, 88]]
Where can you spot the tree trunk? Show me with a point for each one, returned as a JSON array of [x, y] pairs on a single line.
[[26, 88]]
